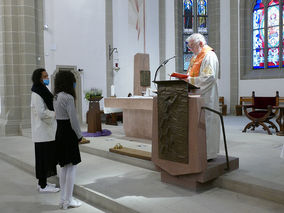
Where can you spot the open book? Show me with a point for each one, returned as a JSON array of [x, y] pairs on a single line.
[[179, 75]]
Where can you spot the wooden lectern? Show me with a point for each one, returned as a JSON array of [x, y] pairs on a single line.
[[94, 115], [179, 136]]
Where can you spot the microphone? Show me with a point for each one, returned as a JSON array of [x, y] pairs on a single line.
[[161, 65]]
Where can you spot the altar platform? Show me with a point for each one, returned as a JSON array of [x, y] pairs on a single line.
[[117, 183]]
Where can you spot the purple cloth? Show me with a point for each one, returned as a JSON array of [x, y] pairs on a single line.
[[104, 132]]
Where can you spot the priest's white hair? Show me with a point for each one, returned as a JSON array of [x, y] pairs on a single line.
[[196, 38]]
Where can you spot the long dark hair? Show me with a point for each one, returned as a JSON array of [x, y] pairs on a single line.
[[37, 76], [64, 82]]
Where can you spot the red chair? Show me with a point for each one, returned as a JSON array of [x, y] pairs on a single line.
[[261, 112]]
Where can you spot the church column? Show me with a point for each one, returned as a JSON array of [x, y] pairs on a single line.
[[21, 43], [234, 82], [162, 36], [179, 35], [109, 41], [214, 25]]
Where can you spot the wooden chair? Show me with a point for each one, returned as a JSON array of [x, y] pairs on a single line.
[[222, 105], [261, 112]]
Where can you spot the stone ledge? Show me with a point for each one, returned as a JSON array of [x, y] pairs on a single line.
[[237, 181], [121, 158]]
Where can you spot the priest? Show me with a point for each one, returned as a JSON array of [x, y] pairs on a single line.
[[203, 72]]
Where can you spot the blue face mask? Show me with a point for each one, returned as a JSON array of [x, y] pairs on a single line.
[[74, 85], [46, 82]]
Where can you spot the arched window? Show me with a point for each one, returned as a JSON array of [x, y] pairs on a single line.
[[195, 19], [267, 34]]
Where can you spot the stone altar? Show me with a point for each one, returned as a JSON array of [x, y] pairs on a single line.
[[137, 114]]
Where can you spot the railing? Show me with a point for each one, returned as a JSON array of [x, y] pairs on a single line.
[[223, 130]]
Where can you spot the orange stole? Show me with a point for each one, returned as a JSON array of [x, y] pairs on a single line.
[[194, 71]]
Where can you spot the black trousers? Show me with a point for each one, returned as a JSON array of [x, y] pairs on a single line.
[[45, 161], [42, 182]]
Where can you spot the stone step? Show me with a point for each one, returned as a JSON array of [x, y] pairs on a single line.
[[89, 196], [236, 181], [146, 164]]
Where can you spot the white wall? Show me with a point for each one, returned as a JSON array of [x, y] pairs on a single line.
[[267, 87], [76, 36], [224, 81], [125, 40]]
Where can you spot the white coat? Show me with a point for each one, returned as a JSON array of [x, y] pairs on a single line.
[[207, 81], [42, 120]]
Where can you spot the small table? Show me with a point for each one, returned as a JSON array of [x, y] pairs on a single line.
[[280, 120]]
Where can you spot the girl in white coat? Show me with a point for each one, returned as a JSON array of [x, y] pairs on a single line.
[[43, 130]]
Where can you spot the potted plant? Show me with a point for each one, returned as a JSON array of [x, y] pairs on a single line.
[[93, 94]]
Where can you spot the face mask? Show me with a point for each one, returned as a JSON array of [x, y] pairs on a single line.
[[74, 85], [46, 82]]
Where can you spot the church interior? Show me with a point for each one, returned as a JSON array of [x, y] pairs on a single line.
[[123, 52]]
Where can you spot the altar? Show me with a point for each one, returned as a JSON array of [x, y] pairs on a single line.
[[137, 114]]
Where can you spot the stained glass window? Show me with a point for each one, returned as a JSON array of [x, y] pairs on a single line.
[[202, 16], [195, 19], [188, 16], [267, 50], [283, 35], [258, 38]]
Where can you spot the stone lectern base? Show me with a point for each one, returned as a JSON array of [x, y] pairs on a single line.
[[204, 180]]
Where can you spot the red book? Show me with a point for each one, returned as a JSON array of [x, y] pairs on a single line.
[[178, 75]]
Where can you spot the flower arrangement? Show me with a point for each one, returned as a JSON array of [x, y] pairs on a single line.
[[93, 93]]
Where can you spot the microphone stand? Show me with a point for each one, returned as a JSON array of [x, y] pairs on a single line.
[[161, 65]]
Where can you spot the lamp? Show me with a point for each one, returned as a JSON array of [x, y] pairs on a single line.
[[114, 52]]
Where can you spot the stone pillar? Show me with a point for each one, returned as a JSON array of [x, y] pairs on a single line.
[[109, 42], [141, 62], [21, 52], [234, 67]]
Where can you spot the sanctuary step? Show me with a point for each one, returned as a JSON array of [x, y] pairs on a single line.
[[118, 187]]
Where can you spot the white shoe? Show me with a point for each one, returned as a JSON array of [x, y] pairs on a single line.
[[73, 204], [48, 189], [61, 204], [48, 184], [51, 184]]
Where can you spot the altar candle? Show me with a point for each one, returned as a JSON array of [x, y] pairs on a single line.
[[112, 90]]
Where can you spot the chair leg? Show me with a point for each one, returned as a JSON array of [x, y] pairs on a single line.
[[265, 128], [248, 126], [272, 125]]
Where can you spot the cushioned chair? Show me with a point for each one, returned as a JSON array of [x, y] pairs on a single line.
[[261, 112]]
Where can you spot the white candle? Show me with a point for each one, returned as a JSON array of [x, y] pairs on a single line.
[[112, 90]]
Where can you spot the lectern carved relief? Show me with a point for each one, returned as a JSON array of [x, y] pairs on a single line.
[[179, 137]]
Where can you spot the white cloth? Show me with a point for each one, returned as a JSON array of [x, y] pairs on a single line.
[[207, 81], [43, 122], [109, 110], [66, 181]]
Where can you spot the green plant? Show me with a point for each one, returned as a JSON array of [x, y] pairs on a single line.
[[92, 93]]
